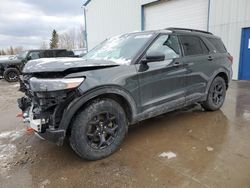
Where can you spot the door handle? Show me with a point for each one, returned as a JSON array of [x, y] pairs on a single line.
[[176, 64], [210, 58]]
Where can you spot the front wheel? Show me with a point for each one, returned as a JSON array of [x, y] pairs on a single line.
[[216, 95], [98, 130], [11, 75]]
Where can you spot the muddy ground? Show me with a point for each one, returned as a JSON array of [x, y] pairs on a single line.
[[188, 148]]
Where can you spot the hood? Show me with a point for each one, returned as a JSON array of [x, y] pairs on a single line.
[[9, 59], [64, 64]]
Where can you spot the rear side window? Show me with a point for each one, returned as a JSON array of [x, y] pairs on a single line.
[[218, 44], [48, 53], [60, 53], [193, 46], [70, 53]]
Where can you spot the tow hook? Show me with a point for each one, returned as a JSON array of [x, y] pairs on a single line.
[[19, 115], [26, 118], [29, 130]]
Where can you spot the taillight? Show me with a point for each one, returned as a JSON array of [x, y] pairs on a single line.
[[231, 58]]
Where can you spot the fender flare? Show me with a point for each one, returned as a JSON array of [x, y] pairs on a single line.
[[11, 66], [77, 103]]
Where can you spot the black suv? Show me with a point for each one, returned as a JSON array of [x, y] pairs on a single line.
[[122, 81], [11, 67]]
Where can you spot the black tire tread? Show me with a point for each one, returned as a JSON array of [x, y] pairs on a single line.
[[208, 105], [82, 117], [7, 71]]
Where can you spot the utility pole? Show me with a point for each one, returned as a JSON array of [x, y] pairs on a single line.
[[85, 26]]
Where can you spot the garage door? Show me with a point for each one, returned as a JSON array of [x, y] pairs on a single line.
[[176, 13]]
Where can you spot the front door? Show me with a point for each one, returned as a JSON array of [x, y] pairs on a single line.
[[162, 82], [244, 73]]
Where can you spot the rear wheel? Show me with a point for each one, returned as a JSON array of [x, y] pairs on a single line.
[[98, 130], [216, 95], [11, 75]]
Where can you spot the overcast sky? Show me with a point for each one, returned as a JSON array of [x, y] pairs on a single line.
[[28, 23]]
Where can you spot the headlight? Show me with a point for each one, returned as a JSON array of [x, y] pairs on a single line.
[[54, 84]]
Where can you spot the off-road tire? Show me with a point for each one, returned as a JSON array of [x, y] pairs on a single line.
[[11, 75], [210, 104], [79, 140]]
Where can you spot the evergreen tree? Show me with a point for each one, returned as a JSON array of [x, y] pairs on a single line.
[[54, 40]]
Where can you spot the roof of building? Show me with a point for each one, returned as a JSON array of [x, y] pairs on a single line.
[[86, 2]]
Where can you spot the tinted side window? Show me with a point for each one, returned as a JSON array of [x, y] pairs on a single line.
[[70, 53], [48, 53], [61, 53], [193, 46], [168, 45], [34, 55], [218, 44]]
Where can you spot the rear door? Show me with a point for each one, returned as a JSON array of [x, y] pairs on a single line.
[[163, 81], [197, 60]]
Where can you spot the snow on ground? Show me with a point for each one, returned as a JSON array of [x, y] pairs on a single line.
[[168, 154], [7, 148]]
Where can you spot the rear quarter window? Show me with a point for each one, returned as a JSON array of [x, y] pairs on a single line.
[[218, 45], [193, 45]]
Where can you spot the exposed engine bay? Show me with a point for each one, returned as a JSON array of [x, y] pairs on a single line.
[[43, 110]]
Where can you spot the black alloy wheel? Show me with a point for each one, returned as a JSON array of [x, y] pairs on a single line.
[[102, 130], [218, 93]]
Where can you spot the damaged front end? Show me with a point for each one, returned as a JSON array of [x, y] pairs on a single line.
[[44, 104]]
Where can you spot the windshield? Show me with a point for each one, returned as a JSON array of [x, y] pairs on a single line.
[[22, 55], [119, 49]]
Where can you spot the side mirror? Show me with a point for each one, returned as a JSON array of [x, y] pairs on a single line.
[[154, 56]]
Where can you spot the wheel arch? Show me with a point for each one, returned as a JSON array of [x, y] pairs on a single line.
[[224, 76], [222, 73], [11, 67], [118, 94]]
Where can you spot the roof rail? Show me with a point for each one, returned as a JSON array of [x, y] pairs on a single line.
[[191, 30]]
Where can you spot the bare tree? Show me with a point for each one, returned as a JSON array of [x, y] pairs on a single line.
[[67, 39], [44, 45], [3, 52], [72, 39], [17, 49], [10, 51], [81, 37]]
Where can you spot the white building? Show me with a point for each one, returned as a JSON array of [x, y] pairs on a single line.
[[229, 19]]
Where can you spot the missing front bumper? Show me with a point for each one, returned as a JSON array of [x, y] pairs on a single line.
[[40, 126], [54, 136]]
